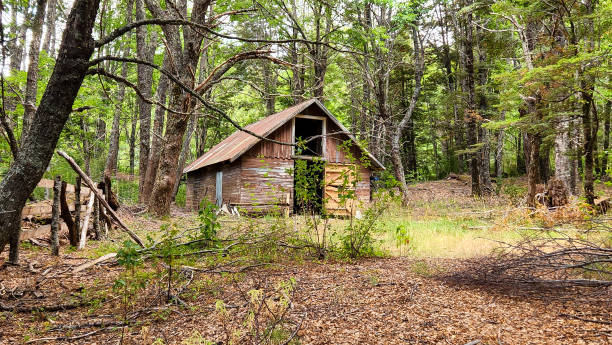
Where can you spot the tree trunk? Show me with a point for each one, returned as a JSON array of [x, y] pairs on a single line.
[[132, 152], [419, 66], [533, 168], [55, 215], [589, 125], [55, 107], [29, 103], [184, 153], [110, 167], [469, 94], [77, 208], [158, 128], [606, 142], [144, 52], [562, 151], [19, 46], [48, 42], [485, 151], [73, 233], [544, 162], [499, 156]]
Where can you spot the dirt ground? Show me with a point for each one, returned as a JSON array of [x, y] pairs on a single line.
[[375, 301], [396, 300]]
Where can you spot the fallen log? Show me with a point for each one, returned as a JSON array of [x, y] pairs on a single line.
[[103, 202], [94, 262]]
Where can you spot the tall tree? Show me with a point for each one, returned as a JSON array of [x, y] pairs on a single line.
[[29, 103], [54, 109], [145, 51]]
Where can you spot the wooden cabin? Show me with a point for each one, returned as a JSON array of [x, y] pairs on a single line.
[[257, 175]]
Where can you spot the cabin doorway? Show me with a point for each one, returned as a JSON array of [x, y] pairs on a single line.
[[308, 180]]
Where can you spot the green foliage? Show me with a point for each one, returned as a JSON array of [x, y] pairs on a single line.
[[209, 222]]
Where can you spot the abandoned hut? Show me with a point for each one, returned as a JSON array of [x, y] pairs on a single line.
[[259, 175]]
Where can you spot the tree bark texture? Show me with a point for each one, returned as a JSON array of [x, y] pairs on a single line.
[[54, 109], [606, 142], [186, 58], [144, 51], [55, 215], [29, 99], [419, 65], [67, 217], [49, 40], [158, 127], [562, 151], [467, 45]]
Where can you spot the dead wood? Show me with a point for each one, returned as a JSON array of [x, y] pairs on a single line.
[[111, 197], [94, 262], [67, 217], [49, 308], [55, 216], [103, 202], [64, 338], [85, 226]]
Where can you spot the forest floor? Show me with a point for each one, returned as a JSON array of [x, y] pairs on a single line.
[[409, 296]]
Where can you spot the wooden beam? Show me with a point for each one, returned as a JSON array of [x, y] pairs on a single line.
[[99, 196]]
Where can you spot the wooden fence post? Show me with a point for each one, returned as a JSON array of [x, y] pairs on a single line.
[[55, 214], [96, 219]]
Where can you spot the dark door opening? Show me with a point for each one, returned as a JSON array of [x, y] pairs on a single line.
[[308, 180], [309, 132]]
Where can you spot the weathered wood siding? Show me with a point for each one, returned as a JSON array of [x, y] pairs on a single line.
[[231, 182], [334, 153], [202, 184], [267, 149], [266, 182]]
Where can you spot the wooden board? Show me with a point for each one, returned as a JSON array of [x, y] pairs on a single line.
[[335, 177], [48, 184], [43, 231]]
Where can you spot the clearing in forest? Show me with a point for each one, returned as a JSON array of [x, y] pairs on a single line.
[[261, 283]]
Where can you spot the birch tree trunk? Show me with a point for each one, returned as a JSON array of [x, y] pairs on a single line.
[[562, 148], [419, 66], [50, 25]]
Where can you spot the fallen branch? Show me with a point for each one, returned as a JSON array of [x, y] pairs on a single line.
[[103, 202], [64, 338], [94, 262], [51, 308]]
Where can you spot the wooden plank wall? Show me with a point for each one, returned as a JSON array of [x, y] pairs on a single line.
[[269, 149], [266, 182], [200, 184], [231, 182]]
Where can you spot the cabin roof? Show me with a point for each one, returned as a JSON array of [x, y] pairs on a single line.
[[240, 142]]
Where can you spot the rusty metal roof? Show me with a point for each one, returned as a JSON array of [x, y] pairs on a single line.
[[240, 142]]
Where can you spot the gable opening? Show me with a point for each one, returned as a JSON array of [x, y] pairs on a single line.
[[309, 131]]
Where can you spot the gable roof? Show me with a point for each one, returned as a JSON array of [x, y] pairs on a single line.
[[240, 142]]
